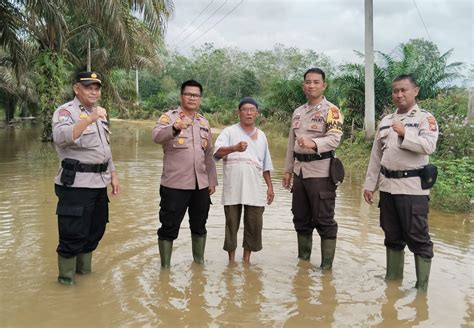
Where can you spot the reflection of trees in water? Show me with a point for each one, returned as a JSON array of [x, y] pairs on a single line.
[[315, 298], [242, 298], [392, 315]]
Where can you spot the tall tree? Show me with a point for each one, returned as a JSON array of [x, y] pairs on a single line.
[[124, 33]]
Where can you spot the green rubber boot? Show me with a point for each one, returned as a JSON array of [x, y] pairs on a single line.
[[328, 249], [165, 247], [422, 267], [84, 263], [305, 244], [395, 263], [67, 270], [198, 244]]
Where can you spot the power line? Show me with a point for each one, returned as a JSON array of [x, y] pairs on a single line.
[[220, 20], [203, 22], [422, 21], [187, 26]]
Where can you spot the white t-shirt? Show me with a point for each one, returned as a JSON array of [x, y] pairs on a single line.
[[243, 180]]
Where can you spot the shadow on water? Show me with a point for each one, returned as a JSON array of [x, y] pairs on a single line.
[[127, 287]]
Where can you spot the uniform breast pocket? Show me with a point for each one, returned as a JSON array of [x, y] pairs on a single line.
[[89, 139], [316, 127], [382, 136], [204, 139], [180, 142]]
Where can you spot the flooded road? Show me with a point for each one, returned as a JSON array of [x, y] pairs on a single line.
[[128, 289]]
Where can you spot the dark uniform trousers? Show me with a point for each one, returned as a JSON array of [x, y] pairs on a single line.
[[313, 204], [404, 220], [173, 205], [83, 214]]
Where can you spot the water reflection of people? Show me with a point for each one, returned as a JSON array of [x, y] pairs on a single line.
[[81, 136], [312, 309], [241, 302], [390, 312], [196, 313], [244, 150], [182, 302], [404, 141], [315, 133]]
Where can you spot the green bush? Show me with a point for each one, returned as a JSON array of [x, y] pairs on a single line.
[[454, 189]]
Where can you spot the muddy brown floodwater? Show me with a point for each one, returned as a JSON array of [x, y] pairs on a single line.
[[128, 289]]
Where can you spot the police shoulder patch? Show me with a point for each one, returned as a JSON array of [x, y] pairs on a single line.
[[334, 120], [432, 123], [63, 114], [164, 119]]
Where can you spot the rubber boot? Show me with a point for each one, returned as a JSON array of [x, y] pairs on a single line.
[[328, 249], [67, 270], [198, 244], [422, 267], [84, 263], [395, 263], [165, 247], [305, 244]]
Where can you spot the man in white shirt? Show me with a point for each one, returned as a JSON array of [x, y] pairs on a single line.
[[244, 150]]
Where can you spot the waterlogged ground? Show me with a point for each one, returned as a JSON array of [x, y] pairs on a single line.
[[128, 289]]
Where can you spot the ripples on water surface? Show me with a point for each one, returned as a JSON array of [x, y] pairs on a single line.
[[128, 289]]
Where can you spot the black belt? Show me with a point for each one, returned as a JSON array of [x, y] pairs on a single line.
[[81, 167], [313, 157], [399, 174]]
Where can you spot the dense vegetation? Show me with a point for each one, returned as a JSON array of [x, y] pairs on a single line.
[[43, 43]]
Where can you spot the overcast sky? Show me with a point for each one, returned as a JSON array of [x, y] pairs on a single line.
[[332, 27]]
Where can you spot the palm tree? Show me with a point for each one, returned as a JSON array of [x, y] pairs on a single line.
[[123, 33], [417, 57]]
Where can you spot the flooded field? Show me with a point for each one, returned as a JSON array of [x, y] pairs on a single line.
[[128, 289]]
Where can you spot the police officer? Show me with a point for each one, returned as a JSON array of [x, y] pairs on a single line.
[[82, 138], [189, 173], [402, 146], [315, 133]]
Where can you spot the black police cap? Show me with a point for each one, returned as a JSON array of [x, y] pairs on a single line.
[[86, 78]]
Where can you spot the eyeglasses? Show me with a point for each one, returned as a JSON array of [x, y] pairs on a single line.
[[191, 95], [248, 110]]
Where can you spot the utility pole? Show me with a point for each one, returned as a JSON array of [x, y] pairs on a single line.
[[470, 107], [136, 85], [369, 118]]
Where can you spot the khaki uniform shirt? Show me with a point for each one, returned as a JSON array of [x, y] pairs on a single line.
[[323, 124], [187, 154], [397, 154], [92, 147]]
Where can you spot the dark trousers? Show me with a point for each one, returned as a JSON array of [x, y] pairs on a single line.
[[313, 204], [83, 214], [173, 206], [404, 220]]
